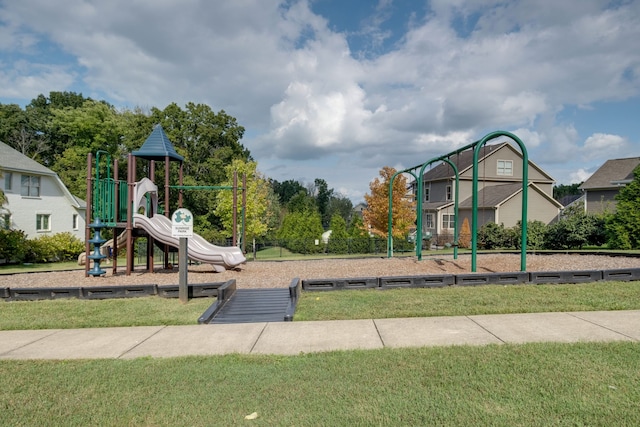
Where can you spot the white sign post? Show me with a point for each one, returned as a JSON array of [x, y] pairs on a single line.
[[182, 227]]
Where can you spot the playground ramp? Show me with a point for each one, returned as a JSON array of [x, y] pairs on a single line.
[[221, 258]]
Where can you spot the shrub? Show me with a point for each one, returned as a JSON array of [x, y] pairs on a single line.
[[13, 245], [56, 247], [338, 240], [494, 236]]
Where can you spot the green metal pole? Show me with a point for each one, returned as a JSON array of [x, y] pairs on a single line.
[[525, 196]]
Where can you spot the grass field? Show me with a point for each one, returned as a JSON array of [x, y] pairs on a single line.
[[355, 304], [507, 385], [590, 384]]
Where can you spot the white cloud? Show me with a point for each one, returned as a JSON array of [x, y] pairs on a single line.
[[295, 84], [579, 175], [611, 146]]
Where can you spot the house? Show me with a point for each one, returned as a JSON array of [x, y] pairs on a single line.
[[499, 191], [38, 202], [602, 187]]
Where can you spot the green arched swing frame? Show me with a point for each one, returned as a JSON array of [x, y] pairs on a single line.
[[476, 146]]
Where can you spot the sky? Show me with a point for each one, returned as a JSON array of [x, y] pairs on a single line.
[[338, 89]]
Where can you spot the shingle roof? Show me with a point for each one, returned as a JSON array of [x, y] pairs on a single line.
[[13, 160], [462, 161], [492, 196], [157, 147], [612, 173]]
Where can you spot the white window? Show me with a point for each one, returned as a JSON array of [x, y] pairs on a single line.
[[43, 222], [8, 177], [505, 167], [448, 192], [30, 186], [426, 190], [448, 221], [428, 221], [75, 222]]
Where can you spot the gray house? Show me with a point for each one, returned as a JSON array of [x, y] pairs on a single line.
[[38, 202], [602, 187], [499, 191]]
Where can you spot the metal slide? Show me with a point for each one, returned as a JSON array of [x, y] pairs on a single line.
[[221, 258]]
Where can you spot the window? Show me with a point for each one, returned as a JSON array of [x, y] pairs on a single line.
[[448, 221], [448, 192], [428, 221], [75, 222], [427, 189], [43, 222], [8, 177], [30, 186], [505, 167]]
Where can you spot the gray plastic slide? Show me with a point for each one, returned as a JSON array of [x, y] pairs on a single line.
[[221, 258]]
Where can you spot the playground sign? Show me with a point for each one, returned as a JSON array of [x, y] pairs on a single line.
[[182, 223]]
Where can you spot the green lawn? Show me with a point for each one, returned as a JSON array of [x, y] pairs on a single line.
[[461, 301], [353, 304], [497, 385]]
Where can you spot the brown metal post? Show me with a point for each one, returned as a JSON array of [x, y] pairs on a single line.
[[131, 177], [244, 211], [150, 213], [87, 217], [234, 233], [116, 207], [180, 183]]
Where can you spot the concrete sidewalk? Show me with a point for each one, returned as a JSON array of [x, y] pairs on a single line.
[[290, 338]]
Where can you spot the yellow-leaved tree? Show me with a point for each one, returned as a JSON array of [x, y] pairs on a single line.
[[376, 215], [261, 215]]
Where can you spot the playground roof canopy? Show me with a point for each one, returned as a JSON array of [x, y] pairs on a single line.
[[158, 147]]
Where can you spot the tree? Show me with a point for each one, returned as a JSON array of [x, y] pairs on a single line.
[[86, 129], [300, 231], [322, 194], [340, 205], [359, 236], [464, 240], [562, 190], [376, 215], [287, 189], [338, 240], [623, 227], [258, 216]]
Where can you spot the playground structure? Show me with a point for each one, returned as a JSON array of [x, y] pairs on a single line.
[[476, 147], [131, 209]]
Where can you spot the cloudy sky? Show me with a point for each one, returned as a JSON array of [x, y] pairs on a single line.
[[337, 89]]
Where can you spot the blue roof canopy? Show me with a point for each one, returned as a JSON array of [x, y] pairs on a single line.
[[158, 147]]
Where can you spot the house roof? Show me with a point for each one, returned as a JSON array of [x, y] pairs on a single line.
[[464, 162], [158, 147], [496, 195], [13, 160], [612, 174]]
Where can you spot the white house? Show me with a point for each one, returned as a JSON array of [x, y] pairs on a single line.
[[38, 202]]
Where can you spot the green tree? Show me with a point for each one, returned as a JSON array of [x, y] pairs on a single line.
[[341, 205], [562, 190], [91, 127], [623, 227], [257, 214], [360, 239], [339, 238], [302, 202], [287, 189], [301, 230]]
